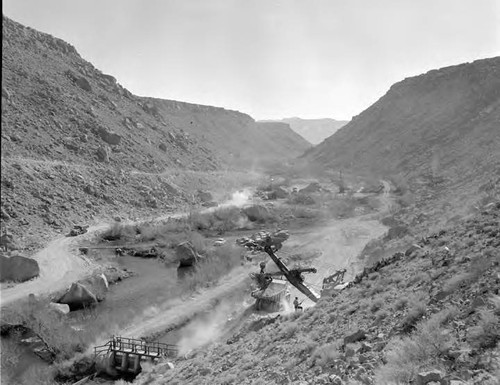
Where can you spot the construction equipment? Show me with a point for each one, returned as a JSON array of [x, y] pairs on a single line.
[[272, 287], [334, 283], [294, 276]]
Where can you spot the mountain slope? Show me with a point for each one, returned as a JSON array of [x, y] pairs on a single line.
[[443, 125], [78, 146], [56, 98], [314, 130], [428, 310]]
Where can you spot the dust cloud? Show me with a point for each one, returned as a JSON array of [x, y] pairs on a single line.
[[239, 198], [205, 329]]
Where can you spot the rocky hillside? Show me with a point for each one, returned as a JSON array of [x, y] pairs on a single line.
[[315, 130], [442, 127], [77, 145], [428, 314], [283, 133]]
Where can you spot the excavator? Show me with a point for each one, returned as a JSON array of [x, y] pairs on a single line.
[[271, 287], [294, 276]]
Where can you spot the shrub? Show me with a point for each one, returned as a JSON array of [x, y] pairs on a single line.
[[410, 355], [11, 355], [455, 282], [288, 330], [400, 304], [352, 309], [210, 269], [397, 278], [324, 355], [486, 333], [119, 231], [381, 315], [307, 345], [416, 312], [301, 199], [376, 305], [379, 288], [495, 301], [418, 278], [58, 336]]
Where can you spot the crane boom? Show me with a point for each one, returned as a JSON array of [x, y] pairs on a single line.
[[293, 276]]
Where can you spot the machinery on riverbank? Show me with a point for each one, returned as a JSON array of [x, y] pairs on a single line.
[[334, 283], [272, 287]]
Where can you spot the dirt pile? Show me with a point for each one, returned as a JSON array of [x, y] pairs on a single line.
[[430, 313], [439, 129]]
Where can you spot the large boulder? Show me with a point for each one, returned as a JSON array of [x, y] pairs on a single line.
[[84, 84], [355, 337], [18, 268], [78, 297], [103, 153], [110, 137], [187, 254], [313, 187], [434, 376], [256, 213], [397, 232], [98, 285], [59, 308], [205, 196]]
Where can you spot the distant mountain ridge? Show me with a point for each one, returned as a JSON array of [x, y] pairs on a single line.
[[313, 130]]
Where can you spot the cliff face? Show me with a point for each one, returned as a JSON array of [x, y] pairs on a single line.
[[443, 122]]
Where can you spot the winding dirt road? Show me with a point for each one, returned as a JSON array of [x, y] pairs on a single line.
[[60, 265]]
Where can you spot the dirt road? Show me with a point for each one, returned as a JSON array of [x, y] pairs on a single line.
[[338, 243], [60, 265], [179, 311]]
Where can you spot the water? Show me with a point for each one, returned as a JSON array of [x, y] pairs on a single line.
[[19, 364], [152, 285]]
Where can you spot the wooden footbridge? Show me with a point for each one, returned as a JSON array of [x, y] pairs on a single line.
[[125, 354]]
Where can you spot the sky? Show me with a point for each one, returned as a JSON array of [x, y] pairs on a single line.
[[270, 59]]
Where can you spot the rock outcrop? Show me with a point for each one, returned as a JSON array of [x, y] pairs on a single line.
[[78, 297], [18, 268], [187, 254]]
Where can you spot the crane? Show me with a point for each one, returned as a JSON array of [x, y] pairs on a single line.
[[294, 276]]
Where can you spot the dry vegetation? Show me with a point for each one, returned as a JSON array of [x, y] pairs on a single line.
[[400, 319]]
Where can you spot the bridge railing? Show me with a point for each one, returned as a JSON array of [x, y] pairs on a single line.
[[137, 346]]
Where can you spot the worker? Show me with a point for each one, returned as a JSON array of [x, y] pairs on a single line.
[[262, 267], [296, 304]]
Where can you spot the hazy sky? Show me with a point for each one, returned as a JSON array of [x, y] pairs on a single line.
[[269, 58]]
